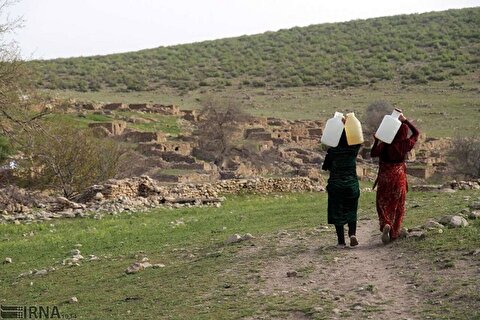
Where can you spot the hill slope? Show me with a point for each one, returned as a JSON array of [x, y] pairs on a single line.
[[410, 48]]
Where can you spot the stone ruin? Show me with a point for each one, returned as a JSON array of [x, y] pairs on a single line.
[[296, 142], [136, 195]]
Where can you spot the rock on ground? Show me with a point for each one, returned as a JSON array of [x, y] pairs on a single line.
[[454, 221]]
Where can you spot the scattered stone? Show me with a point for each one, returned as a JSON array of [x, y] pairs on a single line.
[[418, 235], [138, 266], [238, 238], [475, 252], [41, 272], [432, 224], [247, 236], [474, 215], [75, 258], [142, 193], [403, 233], [454, 221], [73, 300], [233, 239], [24, 274], [63, 203], [74, 252], [158, 265], [93, 258], [417, 228], [291, 274], [475, 205], [357, 307]]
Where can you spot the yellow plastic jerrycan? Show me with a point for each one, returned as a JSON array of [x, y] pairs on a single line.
[[353, 129]]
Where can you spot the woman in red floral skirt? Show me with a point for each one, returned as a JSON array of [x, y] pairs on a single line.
[[391, 181]]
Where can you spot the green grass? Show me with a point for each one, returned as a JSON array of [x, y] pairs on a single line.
[[162, 123], [175, 290], [203, 278]]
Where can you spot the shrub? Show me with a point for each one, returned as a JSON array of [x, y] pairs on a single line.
[[68, 159], [464, 156], [374, 115], [5, 149]]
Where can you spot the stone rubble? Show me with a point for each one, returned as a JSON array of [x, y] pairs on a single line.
[[238, 238], [454, 221], [143, 264], [449, 186], [143, 193]]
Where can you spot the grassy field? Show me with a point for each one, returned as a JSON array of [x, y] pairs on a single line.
[[147, 123], [439, 109], [205, 279]]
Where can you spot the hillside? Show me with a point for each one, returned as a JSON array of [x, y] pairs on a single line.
[[414, 49]]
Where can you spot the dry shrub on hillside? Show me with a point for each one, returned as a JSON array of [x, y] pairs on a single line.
[[68, 159], [374, 115], [219, 130], [465, 156]]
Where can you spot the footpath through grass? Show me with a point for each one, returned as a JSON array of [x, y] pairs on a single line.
[[203, 278]]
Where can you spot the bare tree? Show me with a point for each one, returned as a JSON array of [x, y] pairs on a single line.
[[16, 97], [219, 130], [465, 156], [374, 115]]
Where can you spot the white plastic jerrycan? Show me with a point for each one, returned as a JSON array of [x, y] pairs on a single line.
[[333, 130], [353, 130], [389, 127]]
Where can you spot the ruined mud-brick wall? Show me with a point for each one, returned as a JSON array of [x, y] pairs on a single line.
[[114, 128], [430, 157]]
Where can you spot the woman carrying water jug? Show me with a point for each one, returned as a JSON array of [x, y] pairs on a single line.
[[392, 178], [343, 188]]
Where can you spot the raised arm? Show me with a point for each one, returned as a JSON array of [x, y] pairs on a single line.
[[376, 148], [415, 132], [408, 144]]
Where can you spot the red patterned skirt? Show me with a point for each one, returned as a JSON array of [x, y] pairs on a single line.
[[391, 193]]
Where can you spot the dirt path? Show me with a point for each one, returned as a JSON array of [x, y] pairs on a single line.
[[374, 277], [370, 281]]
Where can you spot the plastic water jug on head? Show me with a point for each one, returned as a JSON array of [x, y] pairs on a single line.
[[353, 129], [333, 130], [389, 127]]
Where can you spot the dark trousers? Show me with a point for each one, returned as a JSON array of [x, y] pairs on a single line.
[[352, 229]]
